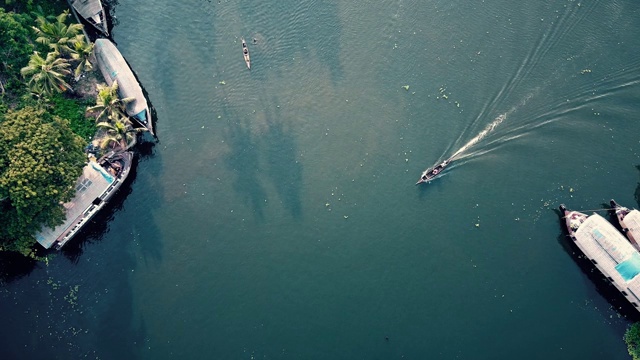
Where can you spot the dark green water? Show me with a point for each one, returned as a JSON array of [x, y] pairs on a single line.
[[277, 216]]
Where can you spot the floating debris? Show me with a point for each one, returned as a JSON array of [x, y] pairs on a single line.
[[406, 87], [222, 82]]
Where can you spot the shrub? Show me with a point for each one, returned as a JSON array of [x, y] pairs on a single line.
[[632, 338]]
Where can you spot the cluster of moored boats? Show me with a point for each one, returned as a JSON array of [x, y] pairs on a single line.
[[617, 257], [102, 177]]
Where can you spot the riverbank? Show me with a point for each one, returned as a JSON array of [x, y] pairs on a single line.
[[74, 105]]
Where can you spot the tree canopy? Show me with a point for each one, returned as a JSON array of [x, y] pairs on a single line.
[[632, 338], [47, 75], [15, 48], [40, 161]]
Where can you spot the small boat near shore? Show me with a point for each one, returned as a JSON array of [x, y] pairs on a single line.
[[433, 171], [629, 220], [93, 12], [114, 67], [98, 183], [608, 250], [245, 54]]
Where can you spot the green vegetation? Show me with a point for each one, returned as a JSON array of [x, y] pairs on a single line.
[[42, 137], [31, 6], [74, 111], [82, 54], [68, 49], [117, 132], [43, 123], [108, 103], [57, 35], [40, 160], [47, 75], [15, 49], [72, 296], [632, 338]]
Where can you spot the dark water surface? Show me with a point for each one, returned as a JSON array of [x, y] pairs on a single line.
[[277, 216]]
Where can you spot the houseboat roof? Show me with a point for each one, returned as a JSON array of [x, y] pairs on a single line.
[[93, 182], [114, 67], [632, 222], [612, 254]]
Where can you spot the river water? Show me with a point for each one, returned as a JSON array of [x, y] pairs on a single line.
[[277, 216]]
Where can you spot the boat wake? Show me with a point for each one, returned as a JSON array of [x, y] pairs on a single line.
[[497, 121]]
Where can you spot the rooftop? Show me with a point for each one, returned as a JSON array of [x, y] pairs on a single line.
[[91, 184]]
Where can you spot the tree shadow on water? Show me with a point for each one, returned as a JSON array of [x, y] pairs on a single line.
[[145, 229], [14, 266], [242, 159], [98, 226], [282, 167]]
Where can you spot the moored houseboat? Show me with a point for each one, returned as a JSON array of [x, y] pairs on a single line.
[[629, 220], [608, 250], [114, 67], [100, 179]]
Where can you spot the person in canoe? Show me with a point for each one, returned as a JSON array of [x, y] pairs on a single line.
[[245, 54]]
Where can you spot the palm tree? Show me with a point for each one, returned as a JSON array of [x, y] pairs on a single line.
[[46, 75], [119, 134], [58, 35], [108, 102], [82, 54]]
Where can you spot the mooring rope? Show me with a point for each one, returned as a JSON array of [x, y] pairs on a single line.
[[583, 211], [603, 209]]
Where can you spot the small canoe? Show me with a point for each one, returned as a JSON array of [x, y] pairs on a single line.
[[245, 54], [93, 12], [432, 172]]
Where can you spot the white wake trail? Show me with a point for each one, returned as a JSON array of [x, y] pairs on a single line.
[[480, 136]]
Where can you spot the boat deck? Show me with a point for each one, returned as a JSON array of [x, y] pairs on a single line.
[[632, 222], [92, 183], [612, 254]]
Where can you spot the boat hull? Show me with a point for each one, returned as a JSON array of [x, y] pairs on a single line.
[[607, 250], [246, 55], [432, 172], [99, 182], [92, 12], [629, 221], [115, 68]]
